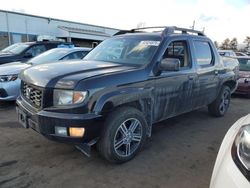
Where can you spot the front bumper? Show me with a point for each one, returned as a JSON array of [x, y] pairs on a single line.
[[44, 122], [9, 91]]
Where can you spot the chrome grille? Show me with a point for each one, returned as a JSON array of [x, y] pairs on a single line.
[[33, 95]]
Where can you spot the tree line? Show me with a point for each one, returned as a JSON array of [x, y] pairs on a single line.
[[228, 44]]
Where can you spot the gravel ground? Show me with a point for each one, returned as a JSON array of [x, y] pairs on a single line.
[[180, 154]]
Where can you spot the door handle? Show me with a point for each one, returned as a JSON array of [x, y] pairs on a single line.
[[216, 72]]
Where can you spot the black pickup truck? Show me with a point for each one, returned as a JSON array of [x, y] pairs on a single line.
[[122, 87]]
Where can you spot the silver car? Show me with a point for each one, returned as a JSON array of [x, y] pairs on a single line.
[[9, 81]]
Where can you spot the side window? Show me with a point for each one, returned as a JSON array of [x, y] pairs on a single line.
[[74, 55], [84, 53], [69, 56], [36, 50], [203, 53], [81, 54], [178, 50]]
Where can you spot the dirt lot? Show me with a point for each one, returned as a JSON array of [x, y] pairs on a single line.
[[181, 153]]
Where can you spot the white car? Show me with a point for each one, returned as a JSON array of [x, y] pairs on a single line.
[[9, 81], [232, 167]]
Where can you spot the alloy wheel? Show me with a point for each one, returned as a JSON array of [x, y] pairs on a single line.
[[224, 102], [128, 137]]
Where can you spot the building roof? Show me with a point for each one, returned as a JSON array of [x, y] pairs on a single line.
[[84, 31], [55, 19]]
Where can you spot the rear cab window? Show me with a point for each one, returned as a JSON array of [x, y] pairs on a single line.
[[203, 53]]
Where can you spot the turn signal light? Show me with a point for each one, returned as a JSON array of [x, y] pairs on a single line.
[[76, 132]]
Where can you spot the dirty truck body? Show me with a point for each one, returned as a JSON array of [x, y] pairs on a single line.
[[122, 87]]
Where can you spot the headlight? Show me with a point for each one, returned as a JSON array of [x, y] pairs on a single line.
[[8, 78], [242, 144], [68, 97]]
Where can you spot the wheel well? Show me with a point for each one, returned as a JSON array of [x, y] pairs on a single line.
[[142, 106], [231, 84], [134, 104], [109, 106]]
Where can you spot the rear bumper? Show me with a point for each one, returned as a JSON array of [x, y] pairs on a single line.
[[44, 122], [9, 91]]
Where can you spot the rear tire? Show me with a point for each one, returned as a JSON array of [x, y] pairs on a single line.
[[123, 135], [220, 105]]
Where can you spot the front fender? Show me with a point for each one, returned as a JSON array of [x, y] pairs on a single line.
[[141, 97], [122, 96]]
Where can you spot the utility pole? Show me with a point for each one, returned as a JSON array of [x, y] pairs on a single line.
[[8, 27], [26, 28], [203, 30], [193, 25]]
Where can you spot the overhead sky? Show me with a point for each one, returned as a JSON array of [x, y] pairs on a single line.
[[220, 18]]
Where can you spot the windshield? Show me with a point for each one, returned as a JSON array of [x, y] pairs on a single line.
[[49, 56], [244, 64], [16, 48], [125, 50]]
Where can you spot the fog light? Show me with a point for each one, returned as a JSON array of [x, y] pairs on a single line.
[[76, 132], [61, 131]]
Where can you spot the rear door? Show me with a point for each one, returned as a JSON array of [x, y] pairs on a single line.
[[208, 78]]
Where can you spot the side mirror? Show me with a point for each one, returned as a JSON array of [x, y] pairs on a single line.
[[28, 55], [170, 64]]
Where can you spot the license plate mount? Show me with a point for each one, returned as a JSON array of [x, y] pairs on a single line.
[[22, 118]]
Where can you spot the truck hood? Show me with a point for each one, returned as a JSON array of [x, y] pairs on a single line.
[[57, 75], [13, 68]]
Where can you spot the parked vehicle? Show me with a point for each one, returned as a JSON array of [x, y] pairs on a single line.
[[229, 53], [232, 166], [27, 50], [9, 81], [240, 54], [122, 87], [244, 80]]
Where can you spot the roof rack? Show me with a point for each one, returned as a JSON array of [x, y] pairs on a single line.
[[166, 30]]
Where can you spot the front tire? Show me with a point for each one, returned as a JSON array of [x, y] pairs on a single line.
[[220, 105], [123, 135]]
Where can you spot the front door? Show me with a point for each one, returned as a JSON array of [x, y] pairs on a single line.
[[173, 93]]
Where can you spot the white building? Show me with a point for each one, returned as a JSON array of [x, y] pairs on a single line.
[[18, 27]]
